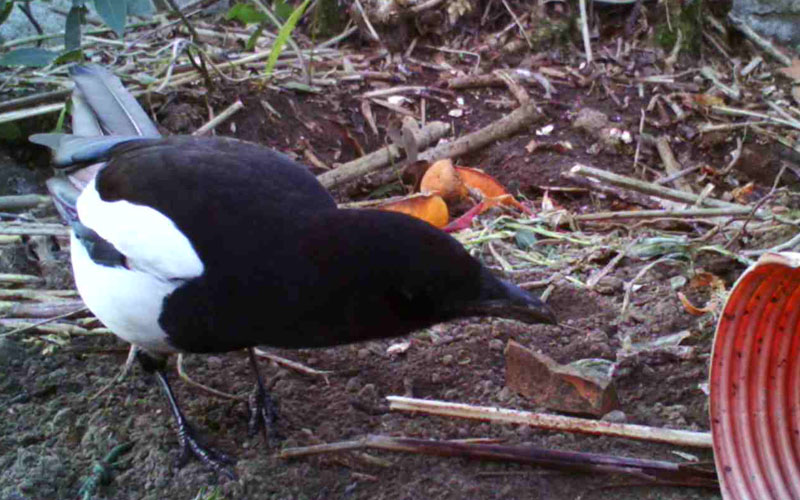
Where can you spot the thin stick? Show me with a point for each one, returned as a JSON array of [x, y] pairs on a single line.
[[34, 229], [722, 127], [23, 201], [210, 390], [370, 28], [20, 114], [380, 158], [294, 365], [762, 42], [126, 368], [671, 164], [552, 422], [726, 110], [219, 119], [20, 279], [670, 213], [519, 24], [650, 470], [587, 43], [504, 127], [639, 139], [43, 322], [650, 188], [34, 99]]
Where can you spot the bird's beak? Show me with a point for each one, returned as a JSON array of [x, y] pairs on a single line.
[[521, 306], [526, 308], [506, 300]]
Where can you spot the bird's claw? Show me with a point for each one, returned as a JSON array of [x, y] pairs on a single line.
[[263, 415], [192, 446]]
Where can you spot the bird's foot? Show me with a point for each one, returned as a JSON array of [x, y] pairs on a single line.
[[263, 415], [213, 459]]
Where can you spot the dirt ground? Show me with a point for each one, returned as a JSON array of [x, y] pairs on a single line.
[[52, 431]]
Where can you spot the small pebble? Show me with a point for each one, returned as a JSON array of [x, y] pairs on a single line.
[[353, 385], [615, 416], [368, 392], [496, 345], [447, 359], [505, 394]]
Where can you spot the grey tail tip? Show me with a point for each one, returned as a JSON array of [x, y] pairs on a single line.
[[83, 69]]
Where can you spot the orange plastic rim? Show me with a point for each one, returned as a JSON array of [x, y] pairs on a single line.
[[755, 383]]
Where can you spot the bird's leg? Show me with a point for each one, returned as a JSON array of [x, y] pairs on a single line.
[[263, 411], [189, 442]]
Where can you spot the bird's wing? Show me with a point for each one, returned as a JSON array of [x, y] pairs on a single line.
[[145, 239]]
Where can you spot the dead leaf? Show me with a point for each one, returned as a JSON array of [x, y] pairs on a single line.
[[547, 202], [465, 220], [483, 182], [692, 309], [704, 280], [493, 191], [792, 71], [707, 100], [429, 207], [742, 194], [442, 179], [796, 94]]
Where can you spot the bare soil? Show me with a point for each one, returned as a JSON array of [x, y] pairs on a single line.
[[52, 431]]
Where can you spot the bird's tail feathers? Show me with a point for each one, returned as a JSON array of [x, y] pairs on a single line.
[[75, 150], [101, 104]]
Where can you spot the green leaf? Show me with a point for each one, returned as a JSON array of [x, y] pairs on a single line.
[[245, 13], [5, 10], [251, 42], [72, 29], [525, 239], [28, 57], [143, 8], [10, 132], [66, 110], [69, 56], [283, 9], [283, 35], [113, 13]]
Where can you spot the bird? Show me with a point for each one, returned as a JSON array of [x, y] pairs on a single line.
[[183, 244]]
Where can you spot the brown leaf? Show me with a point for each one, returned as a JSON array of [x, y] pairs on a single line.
[[792, 71], [708, 100], [742, 194], [483, 182], [692, 309], [704, 280], [428, 207], [442, 179]]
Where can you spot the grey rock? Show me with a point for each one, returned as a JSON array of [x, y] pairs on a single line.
[[771, 18]]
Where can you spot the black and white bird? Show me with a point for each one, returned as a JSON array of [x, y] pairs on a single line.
[[202, 245]]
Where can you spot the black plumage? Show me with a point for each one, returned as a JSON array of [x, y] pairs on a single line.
[[281, 264]]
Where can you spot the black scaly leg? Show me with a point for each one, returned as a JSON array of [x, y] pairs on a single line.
[[189, 442], [263, 411]]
